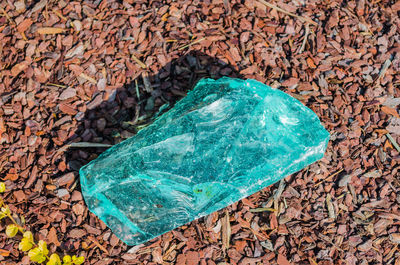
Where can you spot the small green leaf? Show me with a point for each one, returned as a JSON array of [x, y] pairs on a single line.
[[78, 260], [2, 187], [11, 230], [5, 210], [25, 244], [54, 260], [67, 260], [28, 235], [2, 215], [36, 255], [43, 247]]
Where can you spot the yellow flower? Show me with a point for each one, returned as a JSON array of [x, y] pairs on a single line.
[[78, 260], [36, 255], [2, 215], [26, 242], [67, 260], [54, 260], [2, 187], [11, 230]]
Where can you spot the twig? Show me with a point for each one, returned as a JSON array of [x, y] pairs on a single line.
[[24, 36], [312, 261], [327, 239], [146, 82], [331, 176], [302, 19], [88, 78], [139, 62], [57, 85], [383, 70], [60, 15], [80, 145], [190, 44], [86, 144], [7, 16], [137, 89], [98, 244], [393, 142], [259, 210], [303, 45]]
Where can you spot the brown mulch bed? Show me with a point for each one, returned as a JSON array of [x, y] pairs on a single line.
[[97, 71]]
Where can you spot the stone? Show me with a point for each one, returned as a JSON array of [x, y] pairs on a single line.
[[227, 139]]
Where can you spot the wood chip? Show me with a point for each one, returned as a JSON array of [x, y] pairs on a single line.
[[50, 30], [226, 231], [329, 205]]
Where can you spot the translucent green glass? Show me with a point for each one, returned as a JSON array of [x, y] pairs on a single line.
[[224, 141]]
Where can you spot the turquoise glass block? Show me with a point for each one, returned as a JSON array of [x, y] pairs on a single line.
[[224, 141]]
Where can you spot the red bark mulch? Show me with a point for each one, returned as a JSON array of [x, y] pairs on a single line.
[[96, 71]]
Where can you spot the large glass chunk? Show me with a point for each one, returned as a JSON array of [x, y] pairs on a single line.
[[224, 141]]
